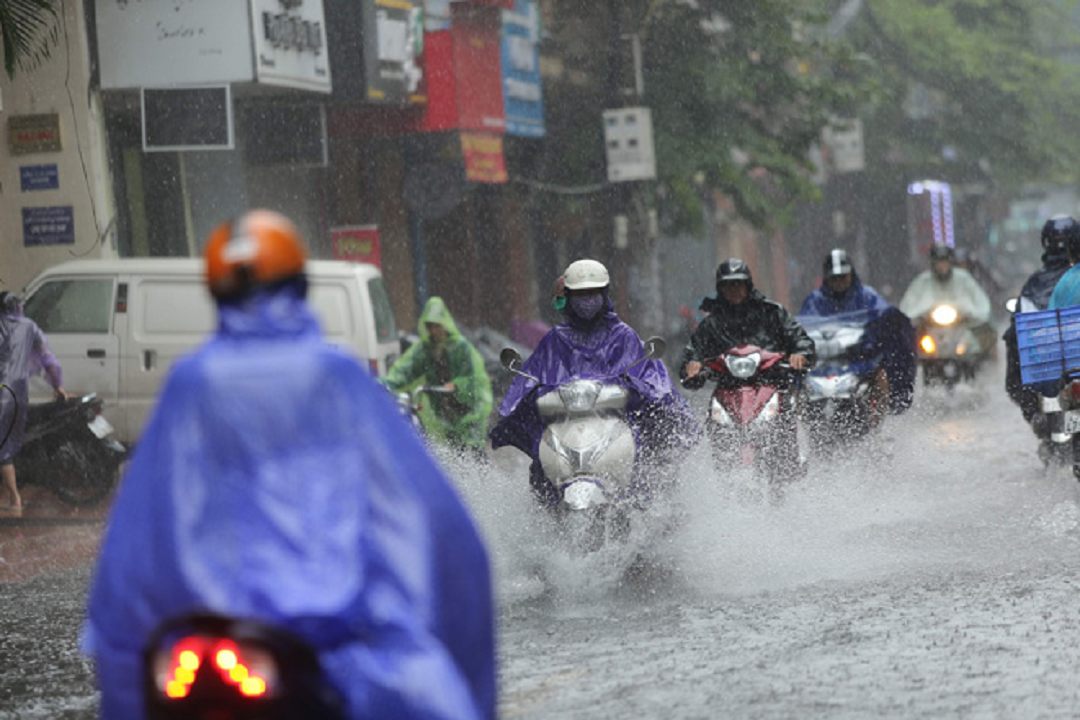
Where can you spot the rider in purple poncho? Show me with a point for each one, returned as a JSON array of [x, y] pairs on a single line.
[[593, 343]]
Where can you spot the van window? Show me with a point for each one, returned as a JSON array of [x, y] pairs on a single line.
[[72, 306], [173, 308], [385, 326]]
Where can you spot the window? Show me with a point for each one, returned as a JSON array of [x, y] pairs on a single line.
[[385, 326], [72, 306]]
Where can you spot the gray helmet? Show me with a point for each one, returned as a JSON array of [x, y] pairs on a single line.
[[836, 263], [734, 269]]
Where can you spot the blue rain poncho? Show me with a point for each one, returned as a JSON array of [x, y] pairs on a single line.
[[888, 333], [276, 481], [23, 352]]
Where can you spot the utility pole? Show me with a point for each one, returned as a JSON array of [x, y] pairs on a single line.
[[637, 267]]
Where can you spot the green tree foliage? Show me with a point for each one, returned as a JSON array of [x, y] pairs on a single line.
[[736, 88], [985, 81], [27, 31]]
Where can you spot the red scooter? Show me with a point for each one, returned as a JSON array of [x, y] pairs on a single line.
[[752, 420]]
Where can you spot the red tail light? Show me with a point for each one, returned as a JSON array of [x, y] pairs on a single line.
[[1069, 397], [250, 670]]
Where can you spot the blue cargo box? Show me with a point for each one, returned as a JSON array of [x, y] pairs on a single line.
[[1049, 344]]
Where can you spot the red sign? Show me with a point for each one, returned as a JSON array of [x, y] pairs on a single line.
[[358, 243], [463, 81], [484, 161]]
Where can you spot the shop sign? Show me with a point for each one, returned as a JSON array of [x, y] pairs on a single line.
[[478, 69], [34, 134], [175, 42], [357, 243], [39, 177], [393, 32], [290, 44], [48, 226], [521, 70], [484, 161]]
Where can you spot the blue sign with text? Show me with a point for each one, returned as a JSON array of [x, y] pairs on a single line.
[[39, 177], [48, 225], [522, 94]]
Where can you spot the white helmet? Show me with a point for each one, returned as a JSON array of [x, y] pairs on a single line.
[[585, 275]]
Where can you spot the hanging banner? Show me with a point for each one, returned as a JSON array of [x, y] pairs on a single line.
[[521, 70], [393, 32], [484, 161], [290, 44], [357, 243], [161, 44]]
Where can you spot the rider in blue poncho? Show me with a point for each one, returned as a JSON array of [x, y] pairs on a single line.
[[593, 343], [277, 482], [888, 331]]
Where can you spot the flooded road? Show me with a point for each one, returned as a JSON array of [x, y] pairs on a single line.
[[933, 574]]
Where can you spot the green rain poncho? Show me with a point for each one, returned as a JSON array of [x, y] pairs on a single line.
[[460, 418]]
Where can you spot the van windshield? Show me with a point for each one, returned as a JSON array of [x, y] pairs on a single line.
[[385, 325]]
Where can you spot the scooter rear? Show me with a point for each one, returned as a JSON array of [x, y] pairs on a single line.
[[210, 667]]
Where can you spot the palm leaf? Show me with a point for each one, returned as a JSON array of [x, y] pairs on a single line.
[[28, 30]]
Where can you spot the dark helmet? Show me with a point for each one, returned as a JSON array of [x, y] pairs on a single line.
[[942, 252], [1061, 236], [837, 262], [734, 269]]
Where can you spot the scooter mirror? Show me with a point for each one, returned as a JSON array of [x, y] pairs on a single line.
[[654, 347], [1012, 304], [510, 359]]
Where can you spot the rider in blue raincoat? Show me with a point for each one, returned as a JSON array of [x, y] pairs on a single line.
[[593, 343], [888, 331], [276, 481]]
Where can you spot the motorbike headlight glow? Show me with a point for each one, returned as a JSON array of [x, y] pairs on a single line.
[[743, 366], [580, 395], [770, 411], [944, 315]]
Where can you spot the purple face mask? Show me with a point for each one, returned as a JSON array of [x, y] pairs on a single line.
[[587, 306]]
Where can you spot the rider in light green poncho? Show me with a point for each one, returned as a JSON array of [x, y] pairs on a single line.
[[444, 357]]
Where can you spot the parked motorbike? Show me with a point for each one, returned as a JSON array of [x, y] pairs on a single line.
[[210, 667], [949, 352], [68, 448], [752, 420], [838, 399], [588, 451]]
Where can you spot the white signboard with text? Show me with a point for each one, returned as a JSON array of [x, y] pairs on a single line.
[[158, 43], [290, 44]]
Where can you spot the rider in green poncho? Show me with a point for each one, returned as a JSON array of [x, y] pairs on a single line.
[[443, 357]]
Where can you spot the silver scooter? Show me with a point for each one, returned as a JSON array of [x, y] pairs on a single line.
[[587, 450]]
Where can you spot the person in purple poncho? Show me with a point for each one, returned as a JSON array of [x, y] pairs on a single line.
[[593, 343], [23, 352]]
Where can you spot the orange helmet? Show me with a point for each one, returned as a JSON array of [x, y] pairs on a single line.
[[259, 248]]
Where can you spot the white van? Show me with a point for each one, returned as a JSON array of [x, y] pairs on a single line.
[[116, 326]]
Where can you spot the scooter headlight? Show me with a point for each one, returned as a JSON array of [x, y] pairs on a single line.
[[743, 366], [580, 395], [944, 315], [770, 411]]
